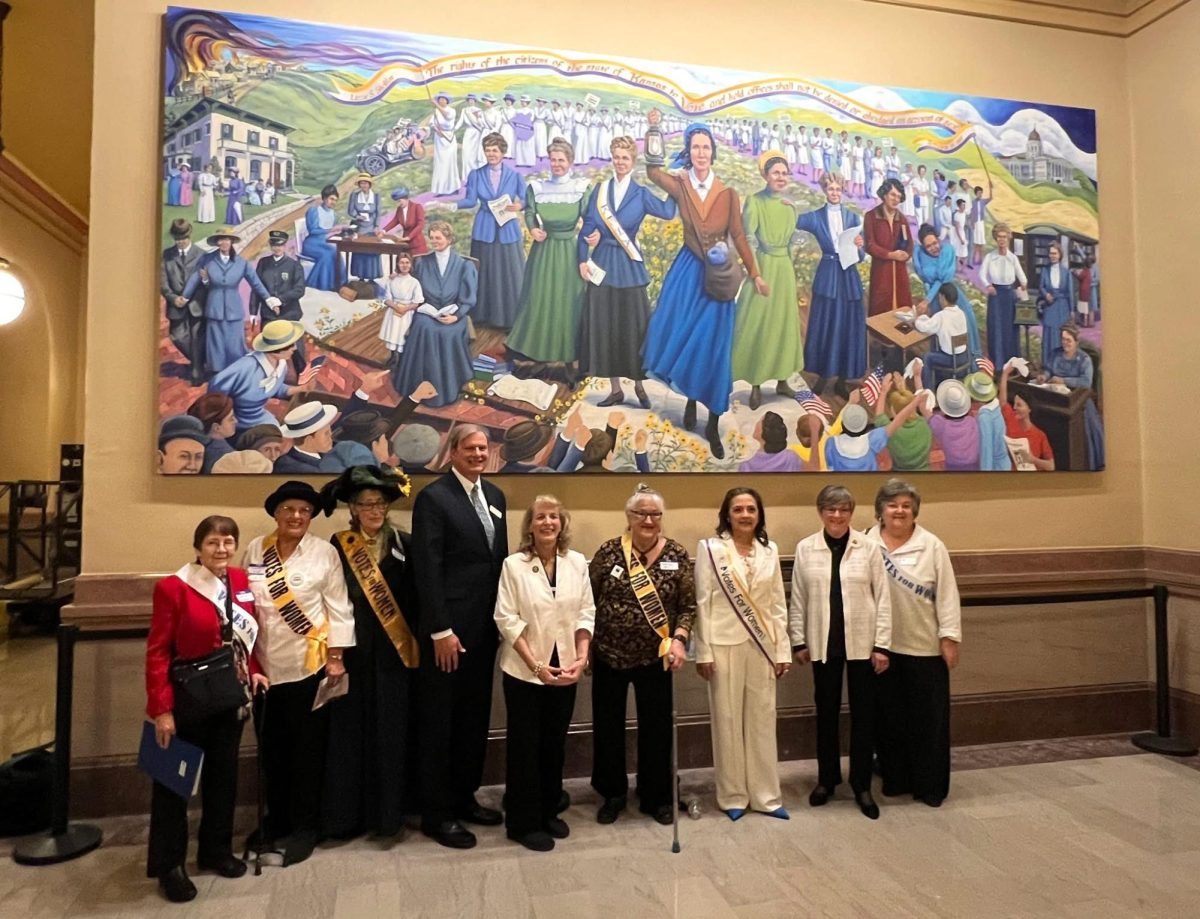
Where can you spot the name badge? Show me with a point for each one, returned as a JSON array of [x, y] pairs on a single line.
[[669, 565], [256, 572], [296, 579], [495, 513], [616, 572], [244, 596], [908, 561]]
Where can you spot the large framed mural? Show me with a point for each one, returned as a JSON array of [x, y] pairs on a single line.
[[611, 265]]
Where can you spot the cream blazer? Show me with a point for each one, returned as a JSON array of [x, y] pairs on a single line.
[[866, 602], [548, 618], [717, 623]]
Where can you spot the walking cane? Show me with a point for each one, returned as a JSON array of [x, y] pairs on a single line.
[[260, 721], [674, 770]]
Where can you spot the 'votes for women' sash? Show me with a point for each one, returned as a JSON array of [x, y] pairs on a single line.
[[648, 599], [379, 595], [289, 608], [614, 225], [738, 595]]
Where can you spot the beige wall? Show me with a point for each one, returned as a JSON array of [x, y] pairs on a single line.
[[844, 40], [40, 372], [48, 92], [1164, 97]]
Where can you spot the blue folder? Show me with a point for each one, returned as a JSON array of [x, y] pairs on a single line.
[[177, 767]]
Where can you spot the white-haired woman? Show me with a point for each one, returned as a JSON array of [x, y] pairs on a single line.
[[545, 615], [645, 604]]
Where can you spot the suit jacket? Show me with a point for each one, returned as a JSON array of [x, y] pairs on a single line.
[[831, 279], [296, 463], [173, 276], [224, 300], [479, 192], [412, 227], [1063, 292], [460, 575], [638, 204], [285, 280]]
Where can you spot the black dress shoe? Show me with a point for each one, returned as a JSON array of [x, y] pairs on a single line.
[[640, 391], [610, 810], [755, 397], [713, 432], [867, 805], [176, 886], [819, 795], [564, 801], [558, 828], [782, 389], [478, 814], [931, 800], [616, 397], [537, 840], [451, 834], [689, 415], [664, 815], [228, 866]]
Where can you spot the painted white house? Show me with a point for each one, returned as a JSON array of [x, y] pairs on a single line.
[[210, 129], [1036, 166]]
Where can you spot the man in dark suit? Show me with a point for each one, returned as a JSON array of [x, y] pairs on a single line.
[[283, 277], [459, 544], [185, 318]]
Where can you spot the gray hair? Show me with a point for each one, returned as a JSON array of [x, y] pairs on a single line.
[[462, 432], [834, 496], [894, 488], [644, 491]]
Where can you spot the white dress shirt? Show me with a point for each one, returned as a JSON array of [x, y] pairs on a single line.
[[547, 616], [945, 324], [1002, 269], [314, 573], [717, 623], [702, 188], [836, 221], [619, 188]]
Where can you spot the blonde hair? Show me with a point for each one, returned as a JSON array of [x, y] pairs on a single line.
[[564, 534], [1001, 227], [624, 142], [833, 177], [441, 226]]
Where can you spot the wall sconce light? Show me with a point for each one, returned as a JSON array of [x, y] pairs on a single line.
[[12, 294]]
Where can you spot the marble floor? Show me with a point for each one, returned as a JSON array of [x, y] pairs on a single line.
[[1088, 837]]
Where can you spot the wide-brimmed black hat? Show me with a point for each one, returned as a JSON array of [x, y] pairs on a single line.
[[299, 491], [364, 426], [523, 439], [391, 483]]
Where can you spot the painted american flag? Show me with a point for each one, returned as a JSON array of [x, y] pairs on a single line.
[[872, 386], [986, 366], [814, 404]]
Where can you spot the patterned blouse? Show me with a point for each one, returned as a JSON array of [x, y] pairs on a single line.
[[623, 637]]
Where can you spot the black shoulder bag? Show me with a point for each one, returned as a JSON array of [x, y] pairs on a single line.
[[209, 685]]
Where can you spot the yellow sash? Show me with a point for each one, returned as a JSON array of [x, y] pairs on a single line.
[[734, 587], [614, 226], [379, 595], [648, 599], [289, 608]]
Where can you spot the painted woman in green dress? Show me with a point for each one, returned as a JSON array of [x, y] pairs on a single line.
[[766, 336], [547, 322]]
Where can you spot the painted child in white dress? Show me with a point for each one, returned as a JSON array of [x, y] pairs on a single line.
[[402, 296]]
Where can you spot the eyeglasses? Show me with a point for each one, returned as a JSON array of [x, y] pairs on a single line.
[[371, 505], [837, 510], [648, 515], [303, 511]]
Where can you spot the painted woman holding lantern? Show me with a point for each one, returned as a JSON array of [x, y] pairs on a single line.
[[367, 780], [689, 343]]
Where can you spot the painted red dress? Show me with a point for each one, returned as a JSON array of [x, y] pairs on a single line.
[[889, 279]]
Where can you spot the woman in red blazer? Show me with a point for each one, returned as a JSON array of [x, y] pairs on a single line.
[[186, 623], [409, 222]]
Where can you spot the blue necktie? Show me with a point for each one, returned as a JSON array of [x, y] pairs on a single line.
[[484, 517]]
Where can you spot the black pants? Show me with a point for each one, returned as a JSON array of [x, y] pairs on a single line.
[[827, 683], [913, 738], [455, 712], [219, 738], [652, 694], [538, 718], [294, 739]]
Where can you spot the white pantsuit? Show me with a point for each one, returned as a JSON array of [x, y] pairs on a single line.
[[741, 692]]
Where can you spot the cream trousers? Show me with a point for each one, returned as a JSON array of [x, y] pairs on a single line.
[[741, 697]]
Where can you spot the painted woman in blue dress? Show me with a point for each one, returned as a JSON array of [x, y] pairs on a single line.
[[689, 342], [1072, 367], [319, 221], [936, 265], [437, 348], [363, 210], [835, 343], [1055, 299]]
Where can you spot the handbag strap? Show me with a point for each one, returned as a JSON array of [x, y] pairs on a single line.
[[227, 619]]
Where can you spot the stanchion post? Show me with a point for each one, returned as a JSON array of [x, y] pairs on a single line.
[[64, 841], [1161, 740]]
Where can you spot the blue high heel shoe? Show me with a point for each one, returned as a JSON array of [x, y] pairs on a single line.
[[780, 813], [736, 813]]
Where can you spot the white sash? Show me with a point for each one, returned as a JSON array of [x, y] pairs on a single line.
[[205, 583], [736, 592], [610, 220]]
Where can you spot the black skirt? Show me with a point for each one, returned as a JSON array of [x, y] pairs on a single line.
[[612, 329]]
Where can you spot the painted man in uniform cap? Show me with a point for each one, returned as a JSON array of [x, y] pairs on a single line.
[[283, 277]]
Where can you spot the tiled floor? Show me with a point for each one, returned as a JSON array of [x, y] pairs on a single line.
[[1101, 836]]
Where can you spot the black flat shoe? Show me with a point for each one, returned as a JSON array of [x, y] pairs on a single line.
[[640, 392], [176, 886], [614, 398], [689, 415], [867, 805], [299, 847], [755, 397], [931, 800], [713, 432], [564, 802], [451, 834], [228, 866], [478, 814], [537, 841], [782, 389], [558, 828], [819, 796], [610, 810], [664, 815]]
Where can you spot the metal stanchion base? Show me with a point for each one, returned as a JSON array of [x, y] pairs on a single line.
[[79, 839], [1170, 746]]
